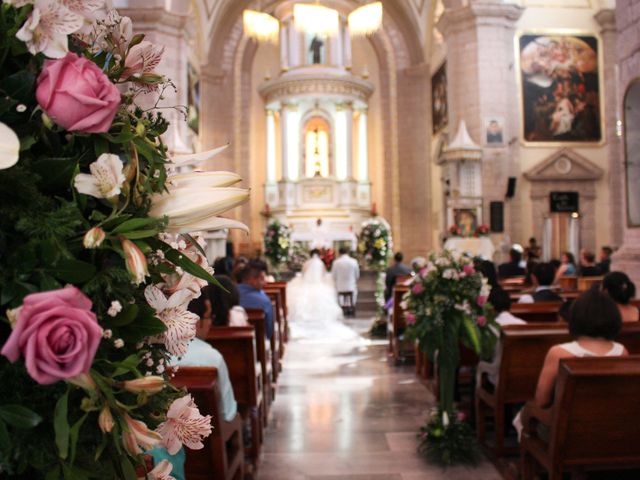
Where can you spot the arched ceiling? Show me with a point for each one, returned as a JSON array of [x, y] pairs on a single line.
[[405, 22]]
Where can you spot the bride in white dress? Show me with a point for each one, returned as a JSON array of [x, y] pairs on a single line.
[[312, 300]]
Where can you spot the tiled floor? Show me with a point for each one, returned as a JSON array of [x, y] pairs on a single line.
[[342, 411]]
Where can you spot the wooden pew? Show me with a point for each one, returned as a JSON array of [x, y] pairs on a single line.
[[585, 283], [263, 350], [399, 347], [238, 347], [568, 282], [537, 312], [222, 457], [282, 286], [524, 348], [523, 353], [593, 422], [278, 319]]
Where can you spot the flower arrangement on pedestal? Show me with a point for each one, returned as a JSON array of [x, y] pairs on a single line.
[[447, 306], [97, 266], [375, 244], [277, 244]]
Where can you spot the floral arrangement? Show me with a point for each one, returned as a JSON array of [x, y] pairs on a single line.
[[480, 231], [97, 265], [277, 243], [375, 243], [448, 440], [447, 305], [298, 256]]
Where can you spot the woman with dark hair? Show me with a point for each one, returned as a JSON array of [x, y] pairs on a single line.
[[567, 266], [225, 303], [622, 289], [594, 322]]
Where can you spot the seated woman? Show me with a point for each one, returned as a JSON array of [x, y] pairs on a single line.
[[594, 322], [567, 266], [225, 302], [622, 290]]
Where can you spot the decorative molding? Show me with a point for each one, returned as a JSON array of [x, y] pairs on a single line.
[[293, 86], [552, 168]]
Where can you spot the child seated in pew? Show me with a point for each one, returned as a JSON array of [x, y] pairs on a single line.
[[621, 289], [594, 322], [501, 302], [225, 302], [542, 277]]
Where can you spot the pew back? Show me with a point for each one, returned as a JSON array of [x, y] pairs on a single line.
[[597, 399], [537, 312]]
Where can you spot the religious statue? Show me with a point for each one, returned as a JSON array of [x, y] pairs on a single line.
[[316, 49]]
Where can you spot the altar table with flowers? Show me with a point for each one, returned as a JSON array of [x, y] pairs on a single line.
[[476, 247]]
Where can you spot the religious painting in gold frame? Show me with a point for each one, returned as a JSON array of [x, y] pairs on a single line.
[[439, 105], [560, 88]]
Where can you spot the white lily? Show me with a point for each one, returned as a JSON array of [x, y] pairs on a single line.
[[207, 225], [186, 205], [47, 28], [106, 177], [203, 179], [9, 147], [196, 158]]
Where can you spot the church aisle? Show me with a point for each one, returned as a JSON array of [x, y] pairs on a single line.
[[343, 412]]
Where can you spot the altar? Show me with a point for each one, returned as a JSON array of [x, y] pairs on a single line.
[[476, 247], [327, 240]]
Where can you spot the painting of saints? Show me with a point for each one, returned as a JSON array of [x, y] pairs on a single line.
[[560, 88], [466, 221]]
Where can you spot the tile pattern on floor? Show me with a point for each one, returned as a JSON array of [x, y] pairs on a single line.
[[343, 412]]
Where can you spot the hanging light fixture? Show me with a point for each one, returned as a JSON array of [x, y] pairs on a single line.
[[365, 20], [316, 19], [261, 26]]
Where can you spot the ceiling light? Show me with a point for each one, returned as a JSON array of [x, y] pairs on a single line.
[[261, 26], [366, 19]]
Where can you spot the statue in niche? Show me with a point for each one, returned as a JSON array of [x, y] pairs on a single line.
[[316, 50]]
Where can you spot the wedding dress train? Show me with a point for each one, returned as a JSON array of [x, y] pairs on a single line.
[[314, 313]]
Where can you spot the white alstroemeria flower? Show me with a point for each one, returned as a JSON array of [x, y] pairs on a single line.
[[106, 177], [142, 58], [9, 147], [189, 208], [89, 10], [162, 471], [47, 28], [181, 324]]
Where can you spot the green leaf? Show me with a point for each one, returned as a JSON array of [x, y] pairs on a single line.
[[473, 336], [138, 234], [136, 40], [74, 473], [73, 435], [134, 224], [100, 145], [125, 317], [73, 271], [20, 86], [61, 425], [53, 474], [55, 173], [19, 416], [127, 365], [145, 149], [27, 142], [195, 243], [127, 469], [5, 442]]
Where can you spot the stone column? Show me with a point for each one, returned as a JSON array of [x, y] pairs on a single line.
[[284, 47], [342, 139], [290, 142], [363, 146], [482, 85], [606, 18], [271, 146], [215, 111], [627, 258], [294, 46], [347, 48]]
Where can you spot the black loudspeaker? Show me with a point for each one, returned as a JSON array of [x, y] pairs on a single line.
[[511, 187], [496, 210]]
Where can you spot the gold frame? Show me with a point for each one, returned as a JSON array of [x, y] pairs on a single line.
[[601, 98], [632, 82]]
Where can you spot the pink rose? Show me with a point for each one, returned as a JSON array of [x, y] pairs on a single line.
[[423, 272], [75, 93], [409, 318], [481, 321], [481, 300], [417, 289], [469, 270], [57, 333]]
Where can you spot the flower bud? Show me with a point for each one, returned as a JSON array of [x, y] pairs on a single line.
[[93, 238], [105, 420], [151, 385], [135, 260], [84, 381], [12, 315], [136, 434]]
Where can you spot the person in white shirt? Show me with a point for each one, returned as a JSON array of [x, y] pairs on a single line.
[[501, 302], [346, 272], [201, 354]]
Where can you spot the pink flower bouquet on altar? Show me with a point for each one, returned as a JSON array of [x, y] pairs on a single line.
[[97, 264]]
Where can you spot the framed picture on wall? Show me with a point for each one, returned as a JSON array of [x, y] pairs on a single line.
[[559, 81], [494, 131], [466, 214], [632, 152], [439, 105]]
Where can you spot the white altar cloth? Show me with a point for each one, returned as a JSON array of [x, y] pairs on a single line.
[[476, 247]]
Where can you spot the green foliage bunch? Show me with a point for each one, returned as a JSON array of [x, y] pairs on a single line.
[[277, 243]]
